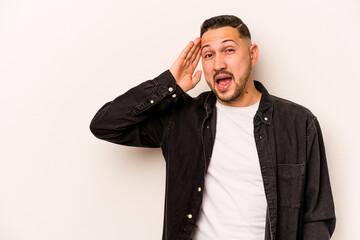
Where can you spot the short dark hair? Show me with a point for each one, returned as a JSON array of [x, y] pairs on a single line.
[[226, 21]]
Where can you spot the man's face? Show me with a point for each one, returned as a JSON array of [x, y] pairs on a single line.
[[226, 62]]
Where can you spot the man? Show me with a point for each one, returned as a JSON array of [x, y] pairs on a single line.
[[240, 163]]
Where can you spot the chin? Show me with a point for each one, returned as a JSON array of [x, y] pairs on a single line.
[[226, 97], [230, 97]]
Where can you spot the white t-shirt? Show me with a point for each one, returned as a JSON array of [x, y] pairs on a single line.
[[234, 203]]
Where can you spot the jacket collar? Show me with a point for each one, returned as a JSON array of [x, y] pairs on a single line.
[[265, 108], [266, 105]]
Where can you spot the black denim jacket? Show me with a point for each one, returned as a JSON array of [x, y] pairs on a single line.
[[157, 113]]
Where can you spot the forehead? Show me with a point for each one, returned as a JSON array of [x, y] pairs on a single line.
[[218, 35]]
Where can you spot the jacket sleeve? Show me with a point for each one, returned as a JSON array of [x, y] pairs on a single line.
[[319, 213], [140, 116]]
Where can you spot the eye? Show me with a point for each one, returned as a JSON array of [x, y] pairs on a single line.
[[230, 50], [208, 55]]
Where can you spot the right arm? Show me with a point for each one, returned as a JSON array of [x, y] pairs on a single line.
[[140, 116]]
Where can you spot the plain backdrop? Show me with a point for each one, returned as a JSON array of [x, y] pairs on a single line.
[[60, 61]]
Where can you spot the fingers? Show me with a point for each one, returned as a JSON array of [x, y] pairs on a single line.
[[194, 50], [186, 50], [198, 55], [197, 76], [190, 51], [194, 53]]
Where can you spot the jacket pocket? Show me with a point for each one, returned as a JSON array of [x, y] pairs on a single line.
[[290, 184]]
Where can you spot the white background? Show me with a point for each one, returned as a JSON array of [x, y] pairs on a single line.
[[60, 61]]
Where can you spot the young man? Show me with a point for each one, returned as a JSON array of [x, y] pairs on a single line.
[[240, 163]]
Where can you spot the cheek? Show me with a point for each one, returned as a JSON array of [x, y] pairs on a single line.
[[236, 61], [206, 66], [205, 69], [239, 64], [207, 74]]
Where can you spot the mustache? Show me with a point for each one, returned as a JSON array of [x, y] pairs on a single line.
[[223, 72]]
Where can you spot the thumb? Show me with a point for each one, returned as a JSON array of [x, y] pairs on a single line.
[[197, 76]]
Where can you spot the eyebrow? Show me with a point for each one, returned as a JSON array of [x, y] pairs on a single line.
[[227, 40]]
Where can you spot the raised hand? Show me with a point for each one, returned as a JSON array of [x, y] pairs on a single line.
[[184, 66]]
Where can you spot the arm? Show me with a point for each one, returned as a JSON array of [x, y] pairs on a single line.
[[140, 116], [319, 213]]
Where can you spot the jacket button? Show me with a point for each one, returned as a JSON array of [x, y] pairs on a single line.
[[171, 89], [189, 216], [174, 95], [199, 189], [265, 118], [151, 101]]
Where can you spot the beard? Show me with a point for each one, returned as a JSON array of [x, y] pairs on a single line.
[[240, 84]]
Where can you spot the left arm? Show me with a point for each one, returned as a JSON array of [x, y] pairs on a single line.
[[319, 213]]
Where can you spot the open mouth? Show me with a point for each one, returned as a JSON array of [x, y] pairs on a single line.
[[223, 81]]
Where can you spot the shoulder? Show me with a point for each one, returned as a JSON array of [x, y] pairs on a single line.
[[285, 105], [280, 106], [291, 112]]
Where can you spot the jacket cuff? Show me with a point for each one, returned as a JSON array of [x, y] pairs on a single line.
[[167, 85], [167, 91]]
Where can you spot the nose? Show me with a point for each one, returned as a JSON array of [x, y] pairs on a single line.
[[219, 63]]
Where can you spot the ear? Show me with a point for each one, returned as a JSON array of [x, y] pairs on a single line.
[[254, 54]]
